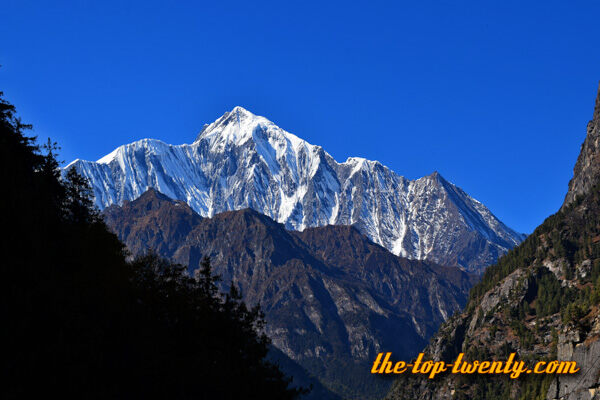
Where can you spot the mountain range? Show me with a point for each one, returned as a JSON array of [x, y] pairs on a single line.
[[332, 298], [245, 161]]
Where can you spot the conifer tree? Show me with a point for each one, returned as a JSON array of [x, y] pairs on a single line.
[[81, 321]]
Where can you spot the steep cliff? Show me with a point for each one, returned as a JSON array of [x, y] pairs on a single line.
[[587, 169]]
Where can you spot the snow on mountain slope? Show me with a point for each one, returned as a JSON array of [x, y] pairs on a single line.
[[242, 160]]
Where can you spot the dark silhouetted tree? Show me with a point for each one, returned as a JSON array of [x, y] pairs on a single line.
[[80, 321]]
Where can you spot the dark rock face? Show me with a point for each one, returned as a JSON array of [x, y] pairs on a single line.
[[587, 168], [573, 346], [332, 298], [540, 301]]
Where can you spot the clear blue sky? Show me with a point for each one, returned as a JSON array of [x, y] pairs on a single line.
[[495, 95]]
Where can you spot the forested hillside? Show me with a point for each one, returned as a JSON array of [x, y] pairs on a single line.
[[80, 321]]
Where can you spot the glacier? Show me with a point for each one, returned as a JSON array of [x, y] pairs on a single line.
[[246, 161]]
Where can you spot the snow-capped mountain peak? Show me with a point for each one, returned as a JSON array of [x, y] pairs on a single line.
[[235, 126], [239, 125], [243, 160]]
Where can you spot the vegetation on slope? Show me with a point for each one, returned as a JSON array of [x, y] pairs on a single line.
[[80, 320]]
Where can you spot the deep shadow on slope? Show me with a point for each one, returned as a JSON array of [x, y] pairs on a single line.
[[79, 321]]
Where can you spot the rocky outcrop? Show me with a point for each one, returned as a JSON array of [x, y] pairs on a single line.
[[587, 169], [583, 348]]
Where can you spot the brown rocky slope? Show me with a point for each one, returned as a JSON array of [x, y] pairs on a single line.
[[332, 298]]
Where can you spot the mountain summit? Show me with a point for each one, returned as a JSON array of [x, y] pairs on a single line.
[[238, 126], [246, 161]]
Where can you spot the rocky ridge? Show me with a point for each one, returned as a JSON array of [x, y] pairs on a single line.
[[587, 168]]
